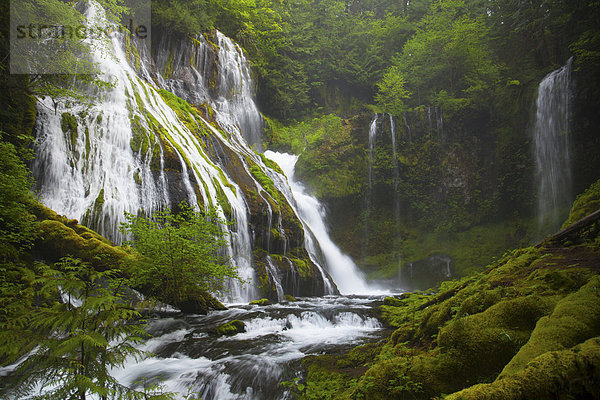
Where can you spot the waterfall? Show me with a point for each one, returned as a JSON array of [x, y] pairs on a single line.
[[235, 103], [551, 148], [396, 200], [407, 126], [369, 192], [138, 150], [312, 213]]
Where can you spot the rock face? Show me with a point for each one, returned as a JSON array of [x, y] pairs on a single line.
[[178, 125]]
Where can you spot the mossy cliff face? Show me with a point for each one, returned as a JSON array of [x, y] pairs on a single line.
[[529, 327], [276, 233]]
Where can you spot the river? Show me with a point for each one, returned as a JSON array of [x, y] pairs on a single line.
[[191, 360]]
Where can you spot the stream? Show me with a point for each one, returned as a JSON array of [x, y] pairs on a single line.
[[191, 360]]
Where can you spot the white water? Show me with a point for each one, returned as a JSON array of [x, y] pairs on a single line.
[[369, 192], [95, 176], [340, 266], [249, 365], [551, 148], [396, 199]]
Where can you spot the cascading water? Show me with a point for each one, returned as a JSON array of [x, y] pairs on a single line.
[[551, 148], [236, 107], [341, 267], [407, 126], [369, 192], [396, 200], [133, 151], [191, 360]]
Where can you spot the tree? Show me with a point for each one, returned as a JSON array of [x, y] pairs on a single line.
[[79, 339], [180, 255], [392, 91], [449, 61]]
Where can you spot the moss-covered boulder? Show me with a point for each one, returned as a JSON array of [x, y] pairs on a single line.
[[570, 374], [585, 204], [290, 298], [231, 328], [575, 319], [261, 302], [60, 237]]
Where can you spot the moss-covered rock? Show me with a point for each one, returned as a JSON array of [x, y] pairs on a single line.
[[290, 298], [60, 237], [575, 319], [262, 302], [585, 204], [231, 328], [570, 374]]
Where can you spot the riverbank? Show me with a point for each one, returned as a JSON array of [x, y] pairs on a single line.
[[526, 328]]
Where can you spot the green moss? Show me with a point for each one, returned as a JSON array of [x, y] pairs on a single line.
[[99, 202], [222, 199], [585, 204], [88, 145], [303, 267], [486, 341], [271, 164], [69, 126], [531, 303], [231, 328], [325, 381], [141, 138], [575, 319], [566, 374], [469, 250], [137, 178], [59, 240], [265, 182], [290, 298], [261, 302], [186, 113]]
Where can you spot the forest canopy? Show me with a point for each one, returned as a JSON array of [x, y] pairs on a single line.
[[313, 54]]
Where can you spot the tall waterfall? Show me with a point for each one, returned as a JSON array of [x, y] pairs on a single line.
[[369, 191], [140, 148], [551, 147], [396, 200], [341, 267]]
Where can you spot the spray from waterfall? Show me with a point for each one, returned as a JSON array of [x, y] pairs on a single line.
[[551, 149]]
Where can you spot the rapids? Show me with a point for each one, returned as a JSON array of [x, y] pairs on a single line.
[[190, 359]]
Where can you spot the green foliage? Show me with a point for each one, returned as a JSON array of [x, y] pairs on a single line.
[[183, 17], [448, 62], [18, 228], [179, 254], [78, 340], [330, 161], [392, 92]]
